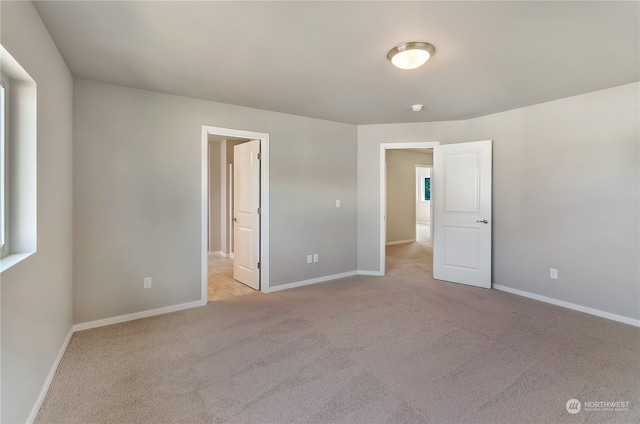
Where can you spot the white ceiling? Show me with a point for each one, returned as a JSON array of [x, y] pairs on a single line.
[[328, 59]]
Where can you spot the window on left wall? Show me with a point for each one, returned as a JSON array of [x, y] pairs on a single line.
[[18, 160]]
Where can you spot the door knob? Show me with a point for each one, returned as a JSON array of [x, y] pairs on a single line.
[[484, 221], [235, 219]]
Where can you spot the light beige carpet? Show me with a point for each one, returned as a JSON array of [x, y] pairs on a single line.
[[398, 349]]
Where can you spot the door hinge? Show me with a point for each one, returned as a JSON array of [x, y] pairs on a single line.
[[258, 265], [259, 211], [259, 156]]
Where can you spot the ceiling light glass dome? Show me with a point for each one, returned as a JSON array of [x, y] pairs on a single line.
[[411, 55]]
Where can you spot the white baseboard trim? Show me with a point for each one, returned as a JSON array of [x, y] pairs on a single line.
[[390, 243], [137, 315], [218, 252], [312, 281], [94, 324], [47, 382], [371, 273], [580, 308]]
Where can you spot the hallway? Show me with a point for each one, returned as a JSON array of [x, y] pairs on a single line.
[[412, 259]]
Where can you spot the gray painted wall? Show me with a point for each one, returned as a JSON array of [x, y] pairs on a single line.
[[36, 295], [401, 193], [137, 196], [565, 195], [215, 225], [216, 147]]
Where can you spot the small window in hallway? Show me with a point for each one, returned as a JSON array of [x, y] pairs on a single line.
[[427, 188]]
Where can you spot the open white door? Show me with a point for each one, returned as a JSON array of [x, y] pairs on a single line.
[[461, 185], [246, 218]]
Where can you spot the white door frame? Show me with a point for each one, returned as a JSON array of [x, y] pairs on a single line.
[[383, 189], [264, 200], [229, 222]]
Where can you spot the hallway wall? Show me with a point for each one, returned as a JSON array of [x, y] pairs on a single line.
[[401, 193]]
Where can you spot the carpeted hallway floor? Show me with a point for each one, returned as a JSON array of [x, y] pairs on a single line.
[[396, 349]]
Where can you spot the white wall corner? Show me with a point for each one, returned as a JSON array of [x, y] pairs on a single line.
[[47, 382]]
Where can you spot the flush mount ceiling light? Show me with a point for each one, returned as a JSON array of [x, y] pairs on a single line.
[[411, 55], [416, 108]]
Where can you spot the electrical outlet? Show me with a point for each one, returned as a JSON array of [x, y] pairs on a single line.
[[337, 203], [315, 257], [147, 283], [553, 273], [309, 259]]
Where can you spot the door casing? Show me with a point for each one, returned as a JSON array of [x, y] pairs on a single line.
[[264, 206]]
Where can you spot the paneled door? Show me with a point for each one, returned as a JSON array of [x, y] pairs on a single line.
[[462, 213], [246, 213]]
